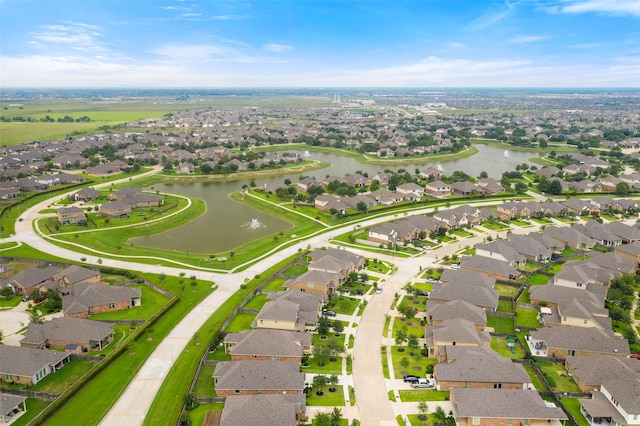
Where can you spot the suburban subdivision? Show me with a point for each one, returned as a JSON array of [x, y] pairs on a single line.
[[353, 258]]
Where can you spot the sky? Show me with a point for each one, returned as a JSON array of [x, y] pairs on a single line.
[[306, 43]]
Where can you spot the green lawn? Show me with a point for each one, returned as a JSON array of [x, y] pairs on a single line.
[[506, 290], [256, 302], [557, 377], [343, 304], [152, 301], [423, 286], [573, 406], [415, 421], [375, 265], [59, 381], [385, 364], [413, 327], [462, 233], [240, 322], [296, 270], [529, 267], [538, 279], [198, 414], [423, 395], [417, 363], [537, 382], [505, 306], [275, 284], [527, 317], [10, 302], [501, 325], [317, 340], [204, 384], [219, 355], [499, 344], [330, 399], [525, 297], [34, 406], [330, 367]]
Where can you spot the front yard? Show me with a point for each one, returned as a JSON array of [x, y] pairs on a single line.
[[423, 395], [417, 364]]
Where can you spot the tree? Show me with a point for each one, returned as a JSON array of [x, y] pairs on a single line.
[[323, 325], [361, 206], [404, 363], [321, 353], [335, 347], [319, 382], [423, 409], [323, 419], [7, 292], [401, 335], [338, 327], [336, 416], [439, 415], [333, 381], [622, 188], [413, 343]]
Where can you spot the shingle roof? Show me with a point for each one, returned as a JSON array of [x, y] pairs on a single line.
[[26, 362], [479, 364], [268, 342], [271, 409], [582, 339], [442, 311], [593, 370], [9, 402], [82, 296], [258, 375], [68, 329], [503, 403]]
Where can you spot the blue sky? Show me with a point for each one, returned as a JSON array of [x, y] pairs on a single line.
[[304, 43]]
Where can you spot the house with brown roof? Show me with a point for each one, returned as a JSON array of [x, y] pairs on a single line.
[[84, 299], [265, 344], [29, 280], [76, 274], [437, 312], [514, 210], [564, 342], [486, 407], [28, 366], [456, 332], [590, 371], [491, 267], [570, 237], [257, 377], [270, 409], [71, 216], [115, 210], [86, 194], [60, 333], [478, 367]]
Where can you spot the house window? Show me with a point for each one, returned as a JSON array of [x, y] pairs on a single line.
[[237, 391], [510, 421], [476, 420], [497, 385], [112, 305], [564, 319], [579, 284], [585, 321], [571, 352]]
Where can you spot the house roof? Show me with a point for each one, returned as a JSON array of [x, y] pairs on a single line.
[[442, 311], [455, 330], [82, 296], [67, 329], [489, 265], [270, 409], [452, 276], [503, 403], [26, 362], [593, 370], [308, 302], [279, 310], [8, 402], [554, 293], [30, 277], [586, 339], [480, 364], [258, 375], [268, 342], [626, 392], [76, 273], [474, 294]]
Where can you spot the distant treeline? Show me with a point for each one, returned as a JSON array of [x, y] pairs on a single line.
[[46, 119]]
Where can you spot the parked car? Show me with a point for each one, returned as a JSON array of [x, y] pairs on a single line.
[[432, 280], [423, 384], [455, 266], [634, 356], [423, 293], [379, 290], [329, 313], [410, 379]]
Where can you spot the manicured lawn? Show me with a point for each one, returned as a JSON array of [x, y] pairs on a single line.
[[573, 406], [275, 284], [499, 344], [462, 233], [219, 355], [506, 290], [537, 382], [501, 325], [505, 306], [538, 279], [10, 302], [240, 322], [423, 395], [34, 406], [525, 297], [343, 304], [330, 367], [59, 381], [413, 327], [205, 385], [423, 286], [378, 266], [256, 302], [316, 340], [557, 377], [296, 270], [527, 317], [521, 223], [152, 301], [529, 267], [330, 399], [385, 364], [554, 269], [197, 415], [417, 364], [415, 421]]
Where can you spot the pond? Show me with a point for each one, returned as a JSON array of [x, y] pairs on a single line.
[[228, 224]]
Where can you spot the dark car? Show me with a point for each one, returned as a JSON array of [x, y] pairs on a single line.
[[410, 379], [329, 313], [634, 356]]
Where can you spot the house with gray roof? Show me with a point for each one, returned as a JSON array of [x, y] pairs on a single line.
[[590, 371], [265, 344], [617, 403], [454, 332], [614, 263], [478, 295], [316, 282], [491, 267], [579, 274], [572, 312], [530, 248], [502, 251], [461, 276], [551, 294], [29, 365], [570, 237], [270, 409], [62, 332], [599, 233], [258, 377], [71, 216], [29, 280], [84, 299], [76, 274], [564, 342], [86, 194], [437, 312], [580, 207], [11, 407], [627, 233], [630, 251], [480, 367], [499, 406]]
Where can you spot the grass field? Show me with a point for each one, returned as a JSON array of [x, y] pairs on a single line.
[[501, 325], [557, 377], [423, 395], [499, 344], [330, 399], [538, 279], [573, 406], [417, 363], [527, 317], [152, 301], [240, 322]]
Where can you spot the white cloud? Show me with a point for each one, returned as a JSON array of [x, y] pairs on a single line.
[[456, 45], [77, 36], [526, 39], [277, 48], [608, 7], [492, 17]]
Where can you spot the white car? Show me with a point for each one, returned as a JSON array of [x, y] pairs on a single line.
[[424, 384], [378, 290], [455, 266]]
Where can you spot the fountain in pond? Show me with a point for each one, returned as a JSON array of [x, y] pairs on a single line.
[[255, 224], [506, 154], [307, 154]]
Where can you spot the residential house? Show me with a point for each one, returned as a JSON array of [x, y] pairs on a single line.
[[478, 295], [437, 312], [464, 188], [503, 407], [502, 251], [63, 333], [71, 216], [478, 367], [11, 406], [564, 342], [598, 233], [581, 207], [514, 210], [570, 237], [86, 194], [614, 263], [590, 371], [410, 190], [627, 233], [437, 189], [530, 248], [29, 280], [316, 282], [115, 210], [576, 312], [491, 267], [490, 186], [582, 274], [630, 251], [27, 366], [185, 168], [84, 299], [265, 344], [257, 377], [290, 310], [75, 274], [454, 332], [269, 409], [617, 403], [551, 295]]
